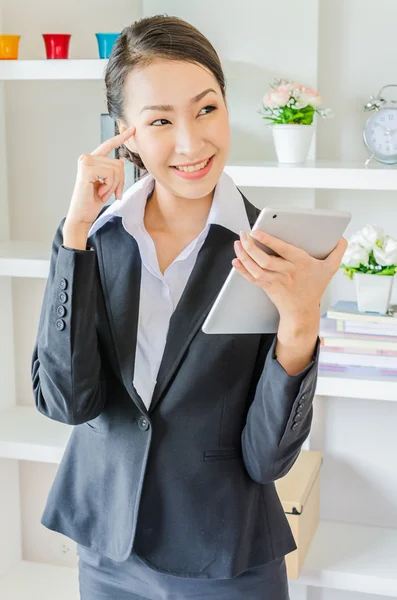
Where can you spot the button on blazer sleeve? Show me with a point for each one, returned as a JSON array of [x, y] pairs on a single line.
[[66, 366], [279, 418]]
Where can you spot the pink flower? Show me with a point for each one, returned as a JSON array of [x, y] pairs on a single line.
[[311, 97], [294, 95], [276, 98], [294, 85]]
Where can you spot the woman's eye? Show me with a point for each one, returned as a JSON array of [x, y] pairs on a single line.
[[208, 108], [212, 108], [161, 121]]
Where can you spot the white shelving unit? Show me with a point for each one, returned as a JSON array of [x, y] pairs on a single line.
[[25, 435], [24, 259], [316, 174], [20, 70], [342, 556]]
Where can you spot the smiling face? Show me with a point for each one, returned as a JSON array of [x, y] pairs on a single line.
[[181, 121]]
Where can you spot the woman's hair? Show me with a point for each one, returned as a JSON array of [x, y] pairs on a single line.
[[148, 39]]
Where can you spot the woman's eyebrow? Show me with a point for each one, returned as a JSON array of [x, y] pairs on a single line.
[[169, 107]]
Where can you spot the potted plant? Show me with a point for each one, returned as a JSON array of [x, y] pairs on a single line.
[[290, 107], [371, 258]]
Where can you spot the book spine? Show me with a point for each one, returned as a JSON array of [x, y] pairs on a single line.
[[358, 327], [336, 314], [358, 360]]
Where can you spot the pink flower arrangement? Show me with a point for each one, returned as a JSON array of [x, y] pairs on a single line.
[[291, 102]]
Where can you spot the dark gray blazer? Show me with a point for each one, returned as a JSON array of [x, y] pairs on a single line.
[[188, 484]]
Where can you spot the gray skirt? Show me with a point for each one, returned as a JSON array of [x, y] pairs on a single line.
[[101, 578]]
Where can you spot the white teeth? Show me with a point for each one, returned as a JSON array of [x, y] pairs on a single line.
[[190, 169]]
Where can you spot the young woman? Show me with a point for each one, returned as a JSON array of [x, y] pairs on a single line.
[[167, 482]]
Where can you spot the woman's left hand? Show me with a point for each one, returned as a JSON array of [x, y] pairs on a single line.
[[294, 281]]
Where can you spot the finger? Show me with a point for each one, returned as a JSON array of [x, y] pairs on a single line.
[[120, 187], [237, 264], [334, 258], [109, 145], [107, 160], [264, 260], [288, 251], [105, 187], [112, 188], [252, 267]]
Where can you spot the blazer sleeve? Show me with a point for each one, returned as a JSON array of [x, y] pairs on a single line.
[[68, 385], [279, 418]]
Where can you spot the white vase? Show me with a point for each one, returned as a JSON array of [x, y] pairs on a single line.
[[292, 142], [373, 292]]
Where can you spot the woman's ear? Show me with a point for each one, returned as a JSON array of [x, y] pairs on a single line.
[[130, 144]]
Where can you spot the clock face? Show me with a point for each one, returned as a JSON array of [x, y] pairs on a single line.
[[380, 135]]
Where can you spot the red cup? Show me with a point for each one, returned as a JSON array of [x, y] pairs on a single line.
[[57, 44]]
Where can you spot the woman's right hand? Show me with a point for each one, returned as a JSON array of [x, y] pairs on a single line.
[[89, 194]]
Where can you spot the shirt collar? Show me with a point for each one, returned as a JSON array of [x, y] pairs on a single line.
[[227, 209]]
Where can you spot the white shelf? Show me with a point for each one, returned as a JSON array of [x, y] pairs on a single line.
[[37, 581], [25, 259], [336, 384], [17, 70], [352, 557], [319, 174], [26, 434]]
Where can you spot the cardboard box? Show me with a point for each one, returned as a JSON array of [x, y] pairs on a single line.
[[299, 492]]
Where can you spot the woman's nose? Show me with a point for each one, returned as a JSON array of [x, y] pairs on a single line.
[[189, 141]]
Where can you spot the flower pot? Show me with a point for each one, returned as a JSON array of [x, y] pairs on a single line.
[[292, 142], [373, 292]]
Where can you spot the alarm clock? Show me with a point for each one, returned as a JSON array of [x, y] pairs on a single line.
[[380, 130]]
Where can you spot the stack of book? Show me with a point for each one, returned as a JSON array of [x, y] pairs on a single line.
[[356, 343]]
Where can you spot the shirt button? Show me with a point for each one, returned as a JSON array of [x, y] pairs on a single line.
[[143, 423], [63, 297], [295, 425], [61, 311], [60, 324], [63, 284]]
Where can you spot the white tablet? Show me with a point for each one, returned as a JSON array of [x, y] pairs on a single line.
[[243, 307]]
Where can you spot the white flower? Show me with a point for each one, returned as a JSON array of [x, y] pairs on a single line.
[[325, 113], [355, 255], [368, 236], [301, 103], [387, 255]]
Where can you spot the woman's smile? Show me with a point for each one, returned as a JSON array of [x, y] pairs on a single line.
[[194, 170]]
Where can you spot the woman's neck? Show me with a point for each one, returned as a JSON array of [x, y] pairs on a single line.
[[175, 215]]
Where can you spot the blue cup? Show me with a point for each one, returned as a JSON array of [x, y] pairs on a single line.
[[105, 43]]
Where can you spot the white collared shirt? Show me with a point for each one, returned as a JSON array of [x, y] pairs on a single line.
[[227, 209]]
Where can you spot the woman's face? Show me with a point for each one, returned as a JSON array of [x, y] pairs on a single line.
[[181, 119]]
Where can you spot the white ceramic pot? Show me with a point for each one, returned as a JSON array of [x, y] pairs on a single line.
[[292, 142], [373, 292]]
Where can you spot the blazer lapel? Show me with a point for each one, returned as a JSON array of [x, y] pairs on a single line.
[[212, 267], [120, 267]]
